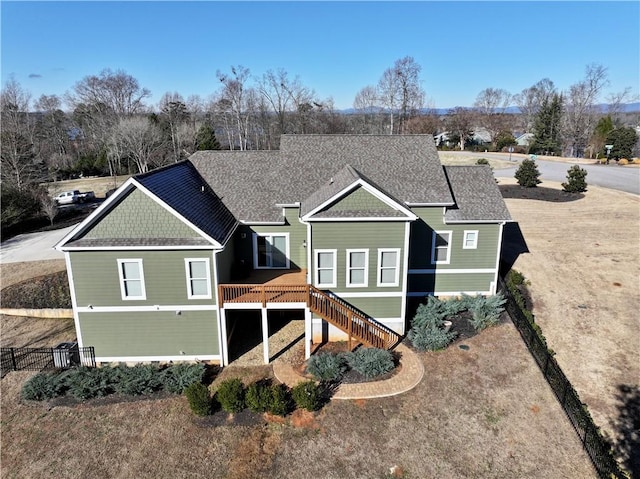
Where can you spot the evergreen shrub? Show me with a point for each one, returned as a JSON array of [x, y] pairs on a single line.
[[137, 380], [230, 395], [176, 377], [371, 362], [576, 182], [42, 386], [307, 395], [200, 401], [486, 311], [326, 366], [527, 174], [279, 400], [258, 396], [87, 383]]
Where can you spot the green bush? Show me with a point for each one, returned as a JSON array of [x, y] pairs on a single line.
[[177, 377], [258, 396], [279, 400], [576, 182], [137, 380], [42, 386], [527, 174], [482, 161], [427, 326], [307, 395], [486, 311], [87, 383], [371, 362], [199, 399], [326, 366], [230, 395]]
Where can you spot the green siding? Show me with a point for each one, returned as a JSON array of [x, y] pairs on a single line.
[[431, 219], [226, 264], [359, 200], [377, 307], [360, 235], [297, 237], [96, 280], [147, 333], [138, 216], [458, 282]]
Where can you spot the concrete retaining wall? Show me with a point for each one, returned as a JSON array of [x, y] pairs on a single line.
[[39, 313]]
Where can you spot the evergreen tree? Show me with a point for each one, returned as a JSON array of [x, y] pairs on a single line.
[[576, 182], [546, 127], [206, 138], [528, 174], [623, 140]]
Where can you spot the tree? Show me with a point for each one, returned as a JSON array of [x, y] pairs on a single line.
[[504, 139], [491, 105], [173, 114], [600, 133], [530, 100], [206, 138], [576, 182], [370, 117], [528, 174], [547, 127], [136, 138], [623, 140], [580, 109], [459, 123], [48, 206], [232, 105]]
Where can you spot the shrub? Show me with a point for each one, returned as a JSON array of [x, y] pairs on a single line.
[[486, 311], [199, 399], [430, 339], [137, 380], [371, 362], [258, 396], [230, 395], [576, 182], [528, 174], [427, 326], [280, 400], [326, 366], [42, 386], [307, 395], [636, 161], [623, 161], [482, 161], [87, 383], [177, 377]]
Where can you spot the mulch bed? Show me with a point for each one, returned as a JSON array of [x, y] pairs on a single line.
[[539, 193]]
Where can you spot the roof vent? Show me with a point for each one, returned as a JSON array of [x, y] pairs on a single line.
[[331, 181], [202, 188]]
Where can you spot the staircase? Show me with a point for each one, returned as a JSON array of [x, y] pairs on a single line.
[[345, 317], [328, 306]]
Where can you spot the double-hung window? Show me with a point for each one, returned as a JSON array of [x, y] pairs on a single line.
[[131, 279], [388, 266], [441, 247], [198, 274], [271, 250], [470, 239], [357, 268], [326, 268]]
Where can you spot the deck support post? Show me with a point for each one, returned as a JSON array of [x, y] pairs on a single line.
[[224, 340], [308, 333], [265, 335]]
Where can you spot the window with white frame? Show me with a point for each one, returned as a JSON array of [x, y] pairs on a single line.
[[470, 239], [357, 268], [271, 250], [198, 282], [326, 268], [388, 266], [131, 279], [441, 247]]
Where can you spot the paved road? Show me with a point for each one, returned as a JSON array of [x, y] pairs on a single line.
[[32, 246], [608, 176]]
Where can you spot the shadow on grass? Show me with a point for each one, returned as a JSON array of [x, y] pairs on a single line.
[[539, 193]]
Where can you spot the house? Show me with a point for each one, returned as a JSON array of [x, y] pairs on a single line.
[[353, 231]]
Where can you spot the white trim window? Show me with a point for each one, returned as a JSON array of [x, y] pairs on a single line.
[[326, 268], [198, 278], [388, 266], [470, 239], [357, 268], [441, 247], [271, 250], [131, 276]]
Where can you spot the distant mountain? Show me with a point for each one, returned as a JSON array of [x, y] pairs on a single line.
[[604, 107]]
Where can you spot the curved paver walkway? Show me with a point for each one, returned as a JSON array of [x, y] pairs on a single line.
[[406, 379]]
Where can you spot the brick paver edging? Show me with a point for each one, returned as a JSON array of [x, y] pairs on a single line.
[[406, 379]]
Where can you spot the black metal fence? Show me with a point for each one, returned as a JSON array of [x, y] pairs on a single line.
[[37, 359], [597, 448]]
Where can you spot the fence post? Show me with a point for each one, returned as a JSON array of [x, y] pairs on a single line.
[[13, 360]]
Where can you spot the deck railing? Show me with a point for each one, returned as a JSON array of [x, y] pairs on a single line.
[[330, 307]]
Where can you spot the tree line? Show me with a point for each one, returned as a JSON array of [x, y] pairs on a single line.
[[106, 125]]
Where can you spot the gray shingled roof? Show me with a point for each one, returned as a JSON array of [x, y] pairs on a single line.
[[131, 242], [182, 188], [476, 194], [251, 183]]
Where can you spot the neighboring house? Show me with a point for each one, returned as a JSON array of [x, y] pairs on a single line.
[[524, 139], [353, 230]]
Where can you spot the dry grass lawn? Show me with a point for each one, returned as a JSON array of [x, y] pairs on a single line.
[[99, 185], [584, 268]]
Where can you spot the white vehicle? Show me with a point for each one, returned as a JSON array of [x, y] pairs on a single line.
[[67, 197]]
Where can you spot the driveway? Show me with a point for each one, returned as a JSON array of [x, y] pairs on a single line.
[[33, 246]]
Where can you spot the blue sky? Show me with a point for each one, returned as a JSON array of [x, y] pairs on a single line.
[[336, 48]]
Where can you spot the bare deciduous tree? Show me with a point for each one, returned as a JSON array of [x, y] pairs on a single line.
[[460, 122], [530, 100], [233, 106], [136, 138], [491, 105]]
